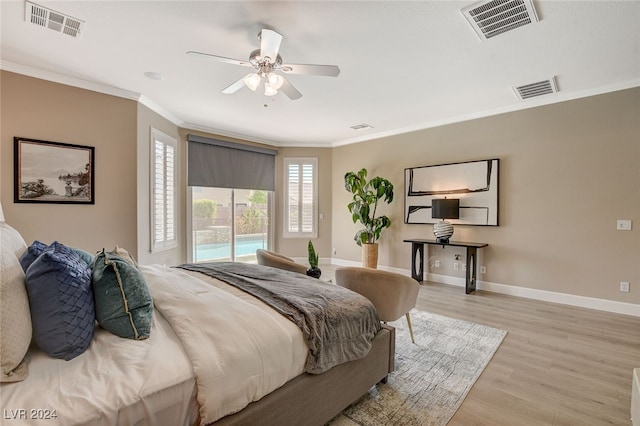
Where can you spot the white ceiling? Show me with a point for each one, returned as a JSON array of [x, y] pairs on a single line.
[[404, 65]]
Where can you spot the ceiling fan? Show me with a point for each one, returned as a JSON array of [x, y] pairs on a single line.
[[267, 62]]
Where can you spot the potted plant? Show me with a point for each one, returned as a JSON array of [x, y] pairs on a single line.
[[363, 207], [313, 270]]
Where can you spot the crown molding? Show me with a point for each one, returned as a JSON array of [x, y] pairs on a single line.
[[68, 80], [526, 104], [127, 94]]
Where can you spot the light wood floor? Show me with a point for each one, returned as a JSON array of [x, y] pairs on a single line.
[[558, 365]]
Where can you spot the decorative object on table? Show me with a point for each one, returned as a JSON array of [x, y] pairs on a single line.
[[363, 207], [53, 172], [474, 183], [313, 270], [444, 208]]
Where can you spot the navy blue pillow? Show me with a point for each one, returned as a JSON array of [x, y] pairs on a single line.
[[123, 301], [61, 299], [33, 251]]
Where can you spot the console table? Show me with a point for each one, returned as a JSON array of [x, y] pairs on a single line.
[[417, 249]]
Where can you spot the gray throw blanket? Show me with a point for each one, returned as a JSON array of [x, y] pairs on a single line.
[[338, 324]]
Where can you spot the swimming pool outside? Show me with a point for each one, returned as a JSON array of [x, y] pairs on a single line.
[[246, 245]]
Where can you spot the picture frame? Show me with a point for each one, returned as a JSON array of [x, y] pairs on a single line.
[[53, 172], [474, 183]]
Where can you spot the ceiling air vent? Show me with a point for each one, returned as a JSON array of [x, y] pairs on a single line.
[[491, 18], [539, 88], [53, 20]]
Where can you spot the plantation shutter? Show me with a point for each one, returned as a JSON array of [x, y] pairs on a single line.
[[301, 204], [163, 191]]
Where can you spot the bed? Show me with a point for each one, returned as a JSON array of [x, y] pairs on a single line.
[[215, 354]]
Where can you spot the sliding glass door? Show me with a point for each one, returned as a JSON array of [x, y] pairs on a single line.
[[229, 224]]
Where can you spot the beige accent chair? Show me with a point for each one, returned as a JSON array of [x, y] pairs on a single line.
[[392, 294], [276, 260]]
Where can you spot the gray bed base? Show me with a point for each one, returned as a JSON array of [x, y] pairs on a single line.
[[314, 399]]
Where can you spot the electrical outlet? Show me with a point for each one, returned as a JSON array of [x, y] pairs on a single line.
[[436, 264], [456, 266], [483, 269], [464, 267], [623, 225], [624, 286]]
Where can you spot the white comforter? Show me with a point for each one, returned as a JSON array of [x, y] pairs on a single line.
[[240, 348]]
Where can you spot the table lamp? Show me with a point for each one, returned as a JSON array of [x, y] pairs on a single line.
[[444, 208]]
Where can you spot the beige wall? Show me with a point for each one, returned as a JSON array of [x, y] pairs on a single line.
[[38, 109], [567, 172]]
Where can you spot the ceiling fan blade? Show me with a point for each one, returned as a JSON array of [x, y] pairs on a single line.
[[220, 58], [324, 70], [270, 44], [288, 89], [233, 88]]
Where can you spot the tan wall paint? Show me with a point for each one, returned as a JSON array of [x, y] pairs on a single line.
[[581, 157], [38, 109], [148, 119], [567, 172]]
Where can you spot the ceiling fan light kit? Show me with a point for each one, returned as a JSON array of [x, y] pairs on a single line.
[[262, 60], [252, 81]]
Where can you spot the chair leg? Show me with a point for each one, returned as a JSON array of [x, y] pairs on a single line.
[[410, 328]]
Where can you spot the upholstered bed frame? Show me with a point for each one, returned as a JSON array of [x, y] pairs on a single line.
[[314, 399]]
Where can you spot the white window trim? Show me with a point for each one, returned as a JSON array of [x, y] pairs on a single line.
[[166, 244], [300, 161]]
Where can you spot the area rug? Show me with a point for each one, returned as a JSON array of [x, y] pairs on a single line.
[[431, 378]]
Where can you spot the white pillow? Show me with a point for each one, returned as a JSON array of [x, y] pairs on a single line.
[[15, 318], [11, 240]]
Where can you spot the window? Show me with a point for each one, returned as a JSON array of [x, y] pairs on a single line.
[[163, 191], [301, 193], [229, 224]]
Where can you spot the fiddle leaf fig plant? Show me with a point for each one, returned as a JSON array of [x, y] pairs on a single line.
[[364, 204]]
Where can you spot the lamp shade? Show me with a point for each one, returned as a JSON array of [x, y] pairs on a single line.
[[445, 208]]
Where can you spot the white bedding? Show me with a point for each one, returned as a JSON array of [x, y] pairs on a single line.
[[240, 349], [206, 335], [115, 382]]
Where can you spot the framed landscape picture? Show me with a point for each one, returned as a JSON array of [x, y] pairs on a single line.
[[53, 172], [473, 183]]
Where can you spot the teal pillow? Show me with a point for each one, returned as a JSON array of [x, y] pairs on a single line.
[[122, 299], [86, 257]]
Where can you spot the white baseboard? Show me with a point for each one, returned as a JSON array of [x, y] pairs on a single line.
[[528, 293]]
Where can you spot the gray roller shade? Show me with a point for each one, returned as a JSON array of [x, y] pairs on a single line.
[[222, 164]]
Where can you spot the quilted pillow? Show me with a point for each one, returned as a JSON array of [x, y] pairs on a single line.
[[61, 299], [33, 251], [123, 301], [15, 319]]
